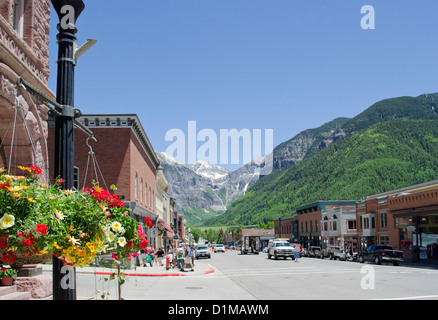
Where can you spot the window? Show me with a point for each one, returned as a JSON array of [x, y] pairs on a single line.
[[383, 220], [76, 178], [141, 190], [136, 186], [17, 16], [146, 193], [351, 224], [384, 240]]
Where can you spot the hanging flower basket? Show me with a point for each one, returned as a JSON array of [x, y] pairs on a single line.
[[38, 221]]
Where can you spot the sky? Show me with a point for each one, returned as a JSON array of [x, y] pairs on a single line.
[[285, 65]]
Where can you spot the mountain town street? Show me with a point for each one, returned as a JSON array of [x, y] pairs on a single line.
[[232, 276]]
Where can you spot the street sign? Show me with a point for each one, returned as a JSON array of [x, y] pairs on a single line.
[[297, 255], [153, 232]]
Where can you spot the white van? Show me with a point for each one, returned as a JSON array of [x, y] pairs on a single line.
[[280, 248]]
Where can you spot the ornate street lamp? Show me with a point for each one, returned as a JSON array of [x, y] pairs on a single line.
[[64, 278]]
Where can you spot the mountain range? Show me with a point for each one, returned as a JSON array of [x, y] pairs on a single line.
[[211, 195]]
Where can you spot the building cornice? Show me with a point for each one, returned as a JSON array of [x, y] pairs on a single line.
[[115, 121]]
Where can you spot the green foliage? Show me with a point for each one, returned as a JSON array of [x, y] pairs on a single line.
[[382, 157]]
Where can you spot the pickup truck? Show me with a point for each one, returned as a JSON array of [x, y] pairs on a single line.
[[380, 253]]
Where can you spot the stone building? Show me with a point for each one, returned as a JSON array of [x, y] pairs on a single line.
[[24, 52]]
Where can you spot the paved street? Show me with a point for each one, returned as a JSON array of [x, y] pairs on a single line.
[[231, 276]]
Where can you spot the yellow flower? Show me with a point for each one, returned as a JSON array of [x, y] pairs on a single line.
[[30, 199], [116, 226], [69, 191], [7, 221], [110, 236], [2, 170], [97, 188], [23, 168], [17, 188], [73, 241], [43, 185], [42, 252], [91, 247], [57, 246], [16, 195], [59, 215], [122, 241]]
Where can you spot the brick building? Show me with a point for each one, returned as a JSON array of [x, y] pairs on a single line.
[[124, 158], [287, 228], [402, 218], [24, 52], [310, 219]]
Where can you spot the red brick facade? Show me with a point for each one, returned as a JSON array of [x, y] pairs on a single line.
[[124, 156]]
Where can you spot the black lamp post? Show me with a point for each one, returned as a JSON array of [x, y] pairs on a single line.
[[64, 279]]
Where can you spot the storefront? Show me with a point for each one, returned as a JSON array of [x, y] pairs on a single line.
[[416, 223]]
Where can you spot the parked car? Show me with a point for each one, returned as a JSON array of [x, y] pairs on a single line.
[[314, 252], [219, 248], [280, 248], [339, 253], [327, 252], [202, 251], [380, 253]]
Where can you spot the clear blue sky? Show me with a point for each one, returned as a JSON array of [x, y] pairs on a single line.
[[286, 65]]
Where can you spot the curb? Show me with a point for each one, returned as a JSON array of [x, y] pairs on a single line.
[[136, 274], [209, 271]]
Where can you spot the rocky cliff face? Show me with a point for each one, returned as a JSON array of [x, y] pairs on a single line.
[[202, 190], [295, 149]]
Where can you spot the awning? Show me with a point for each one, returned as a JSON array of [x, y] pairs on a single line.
[[166, 227]]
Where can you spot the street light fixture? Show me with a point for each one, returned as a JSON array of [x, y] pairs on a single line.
[[64, 278]]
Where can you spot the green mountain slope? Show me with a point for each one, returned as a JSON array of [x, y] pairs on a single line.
[[381, 156]]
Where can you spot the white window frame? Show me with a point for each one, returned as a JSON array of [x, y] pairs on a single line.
[[18, 16]]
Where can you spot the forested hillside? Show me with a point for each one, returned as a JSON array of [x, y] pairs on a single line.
[[384, 156]]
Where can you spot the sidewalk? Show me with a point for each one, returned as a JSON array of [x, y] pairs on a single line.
[[201, 268]]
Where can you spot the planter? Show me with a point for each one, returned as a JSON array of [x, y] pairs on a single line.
[[7, 281]]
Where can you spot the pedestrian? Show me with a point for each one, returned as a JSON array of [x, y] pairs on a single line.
[[188, 257], [150, 256], [160, 255], [170, 255], [180, 257]]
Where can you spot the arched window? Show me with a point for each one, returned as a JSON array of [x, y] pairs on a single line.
[[141, 190], [136, 186]]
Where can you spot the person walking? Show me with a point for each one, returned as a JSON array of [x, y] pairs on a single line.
[[180, 257], [160, 255], [188, 257]]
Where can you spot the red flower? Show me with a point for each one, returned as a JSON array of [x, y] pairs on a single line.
[[42, 228], [143, 243], [148, 222], [35, 170]]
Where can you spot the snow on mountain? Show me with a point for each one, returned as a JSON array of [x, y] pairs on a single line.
[[202, 190]]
